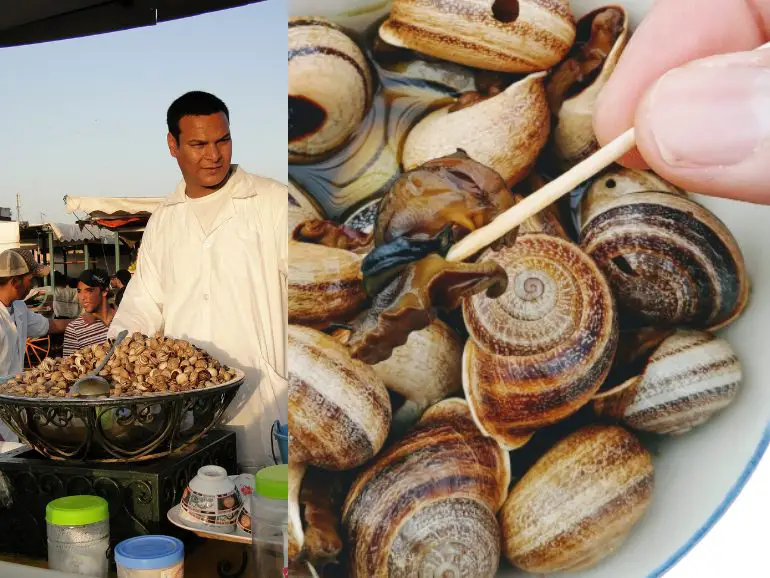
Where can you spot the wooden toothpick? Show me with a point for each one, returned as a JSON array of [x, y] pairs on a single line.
[[539, 200]]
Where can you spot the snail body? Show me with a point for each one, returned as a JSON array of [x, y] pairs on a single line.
[[330, 88], [670, 261], [340, 410], [505, 132], [427, 504], [579, 502], [504, 35], [540, 351], [691, 376]]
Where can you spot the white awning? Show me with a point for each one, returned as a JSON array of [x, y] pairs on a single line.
[[70, 233], [100, 207]]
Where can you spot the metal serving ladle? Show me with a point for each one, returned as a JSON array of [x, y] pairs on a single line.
[[93, 384]]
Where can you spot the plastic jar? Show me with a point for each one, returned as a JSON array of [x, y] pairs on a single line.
[[78, 532], [150, 557], [270, 521]]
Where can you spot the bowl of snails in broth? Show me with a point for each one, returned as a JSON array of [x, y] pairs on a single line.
[[585, 393]]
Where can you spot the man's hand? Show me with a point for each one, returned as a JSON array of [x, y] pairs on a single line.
[[58, 325], [699, 96]]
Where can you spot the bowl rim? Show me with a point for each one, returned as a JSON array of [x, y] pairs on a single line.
[[756, 457], [162, 396]]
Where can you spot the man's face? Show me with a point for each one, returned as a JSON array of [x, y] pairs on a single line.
[[204, 150], [24, 285], [90, 297], [115, 283]]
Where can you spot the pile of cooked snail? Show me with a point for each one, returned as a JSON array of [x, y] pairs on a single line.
[[447, 418]]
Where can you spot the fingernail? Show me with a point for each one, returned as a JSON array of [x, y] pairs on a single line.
[[711, 115]]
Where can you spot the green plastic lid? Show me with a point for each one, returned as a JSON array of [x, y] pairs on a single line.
[[76, 511], [273, 482]]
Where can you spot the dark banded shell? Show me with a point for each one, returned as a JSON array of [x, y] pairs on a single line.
[[426, 505], [339, 410], [501, 35], [691, 376], [540, 351], [579, 502], [670, 261], [330, 88]]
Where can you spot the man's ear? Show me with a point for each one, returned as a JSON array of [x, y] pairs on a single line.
[[173, 147]]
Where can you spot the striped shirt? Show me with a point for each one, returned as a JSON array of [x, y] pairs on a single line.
[[80, 334]]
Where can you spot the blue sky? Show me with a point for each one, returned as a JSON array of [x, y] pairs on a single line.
[[86, 117]]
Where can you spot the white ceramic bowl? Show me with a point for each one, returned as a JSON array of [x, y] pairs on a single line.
[[699, 474]]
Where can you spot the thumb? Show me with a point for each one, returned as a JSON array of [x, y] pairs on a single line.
[[706, 126]]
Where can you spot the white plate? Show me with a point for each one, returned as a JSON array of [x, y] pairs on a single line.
[[174, 516], [698, 475]]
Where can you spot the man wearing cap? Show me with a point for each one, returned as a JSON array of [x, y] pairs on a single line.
[[94, 322], [17, 272]]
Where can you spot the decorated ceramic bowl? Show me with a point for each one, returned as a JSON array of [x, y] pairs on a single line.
[[211, 500], [699, 467]]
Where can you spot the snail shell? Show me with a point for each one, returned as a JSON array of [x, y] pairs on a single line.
[[691, 376], [573, 133], [325, 284], [339, 409], [296, 534], [579, 502], [501, 35], [330, 88], [615, 182], [426, 505], [670, 262], [426, 369], [540, 351], [302, 207], [505, 132]]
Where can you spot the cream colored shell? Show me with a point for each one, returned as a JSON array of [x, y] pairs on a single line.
[[328, 74], [476, 33], [339, 410], [506, 132], [579, 502]]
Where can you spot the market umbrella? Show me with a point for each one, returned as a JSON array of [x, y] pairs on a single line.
[[34, 21]]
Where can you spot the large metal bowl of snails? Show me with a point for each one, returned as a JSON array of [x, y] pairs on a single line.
[[164, 395], [583, 395]]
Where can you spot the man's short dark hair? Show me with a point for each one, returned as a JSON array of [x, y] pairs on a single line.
[[195, 103]]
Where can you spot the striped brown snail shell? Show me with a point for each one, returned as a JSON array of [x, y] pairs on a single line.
[[575, 84], [579, 502], [302, 207], [691, 376], [670, 261], [426, 505], [505, 132], [541, 350], [339, 410], [325, 284], [501, 35], [617, 181], [330, 88]]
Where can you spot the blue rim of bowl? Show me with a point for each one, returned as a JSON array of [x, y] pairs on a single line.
[[734, 492]]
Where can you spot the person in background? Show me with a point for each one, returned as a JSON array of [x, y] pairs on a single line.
[[120, 279], [92, 325], [212, 269], [65, 298], [17, 323]]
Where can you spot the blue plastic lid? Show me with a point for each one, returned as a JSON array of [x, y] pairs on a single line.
[[149, 552]]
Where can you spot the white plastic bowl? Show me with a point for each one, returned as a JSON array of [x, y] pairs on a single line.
[[697, 475]]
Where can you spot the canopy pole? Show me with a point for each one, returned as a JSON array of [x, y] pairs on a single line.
[[51, 257], [117, 252], [85, 257]]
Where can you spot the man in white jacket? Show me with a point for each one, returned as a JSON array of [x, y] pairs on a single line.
[[212, 269]]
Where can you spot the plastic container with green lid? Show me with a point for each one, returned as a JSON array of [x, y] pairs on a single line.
[[270, 520], [78, 532]]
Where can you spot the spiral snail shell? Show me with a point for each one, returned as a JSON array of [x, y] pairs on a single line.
[[540, 351], [426, 505], [339, 410], [501, 35], [670, 261], [301, 207], [579, 502], [330, 88], [504, 132], [690, 377], [325, 284]]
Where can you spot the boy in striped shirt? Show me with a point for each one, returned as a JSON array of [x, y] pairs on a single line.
[[92, 325]]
